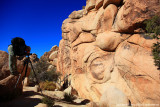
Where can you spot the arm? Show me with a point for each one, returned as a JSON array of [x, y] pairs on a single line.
[[12, 61]]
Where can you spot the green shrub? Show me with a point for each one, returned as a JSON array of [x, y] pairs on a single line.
[[40, 69], [153, 26], [156, 54], [48, 101], [48, 85], [68, 97]]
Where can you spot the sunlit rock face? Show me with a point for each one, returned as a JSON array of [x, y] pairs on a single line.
[[51, 56], [108, 61]]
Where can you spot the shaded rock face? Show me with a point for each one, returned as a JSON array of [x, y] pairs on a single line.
[[103, 54], [4, 67], [7, 81]]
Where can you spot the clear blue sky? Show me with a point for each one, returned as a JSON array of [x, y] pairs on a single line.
[[38, 22]]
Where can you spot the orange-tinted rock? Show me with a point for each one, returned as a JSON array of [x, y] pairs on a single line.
[[76, 14], [101, 20], [108, 18], [107, 2], [54, 48], [83, 38], [66, 27], [54, 62], [136, 66], [64, 61], [108, 99], [133, 13], [71, 31], [108, 41], [116, 59], [88, 20], [93, 70], [34, 58], [3, 58], [90, 4], [4, 68], [26, 82], [49, 56], [53, 55], [99, 3]]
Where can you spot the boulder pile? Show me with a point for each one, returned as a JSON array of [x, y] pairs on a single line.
[[107, 54]]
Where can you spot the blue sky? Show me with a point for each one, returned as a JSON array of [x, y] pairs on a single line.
[[38, 22]]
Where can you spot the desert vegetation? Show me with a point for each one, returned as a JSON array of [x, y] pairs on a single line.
[[153, 30], [45, 75], [48, 102]]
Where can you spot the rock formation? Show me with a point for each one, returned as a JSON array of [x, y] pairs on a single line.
[[34, 58], [107, 57], [51, 56], [4, 68]]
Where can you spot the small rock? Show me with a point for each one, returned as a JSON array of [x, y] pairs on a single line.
[[41, 105]]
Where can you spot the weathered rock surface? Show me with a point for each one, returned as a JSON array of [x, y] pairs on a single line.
[[99, 21], [51, 56], [34, 58], [102, 53], [99, 3], [47, 54], [107, 2], [113, 40], [108, 18], [133, 13], [135, 64], [112, 97], [90, 4], [76, 14], [4, 68]]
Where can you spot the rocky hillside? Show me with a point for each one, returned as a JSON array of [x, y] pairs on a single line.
[[107, 53]]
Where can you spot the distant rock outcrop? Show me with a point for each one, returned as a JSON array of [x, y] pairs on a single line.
[[106, 58], [51, 56], [34, 58]]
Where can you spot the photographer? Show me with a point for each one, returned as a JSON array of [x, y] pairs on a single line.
[[17, 51]]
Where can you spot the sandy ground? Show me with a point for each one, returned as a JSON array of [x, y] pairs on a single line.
[[30, 98]]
